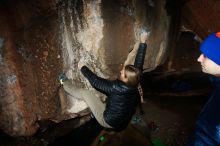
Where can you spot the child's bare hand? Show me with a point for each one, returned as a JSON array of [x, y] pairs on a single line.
[[144, 37], [81, 64], [143, 101]]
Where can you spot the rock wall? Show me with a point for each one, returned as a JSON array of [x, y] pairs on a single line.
[[39, 40], [200, 16], [30, 63]]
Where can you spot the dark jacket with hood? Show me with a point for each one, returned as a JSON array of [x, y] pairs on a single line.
[[121, 98]]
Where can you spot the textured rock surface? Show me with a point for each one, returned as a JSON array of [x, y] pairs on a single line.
[[201, 16], [29, 65], [41, 39]]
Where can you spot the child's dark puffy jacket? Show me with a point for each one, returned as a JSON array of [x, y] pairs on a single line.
[[121, 98]]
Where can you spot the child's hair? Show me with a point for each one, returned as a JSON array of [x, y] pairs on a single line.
[[133, 75]]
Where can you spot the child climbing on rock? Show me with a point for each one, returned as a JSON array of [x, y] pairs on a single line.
[[122, 93]]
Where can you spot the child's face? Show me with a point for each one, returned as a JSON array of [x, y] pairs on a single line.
[[208, 66]]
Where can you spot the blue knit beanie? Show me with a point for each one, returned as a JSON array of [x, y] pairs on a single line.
[[210, 47]]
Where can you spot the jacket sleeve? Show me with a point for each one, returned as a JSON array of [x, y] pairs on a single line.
[[100, 84], [139, 59]]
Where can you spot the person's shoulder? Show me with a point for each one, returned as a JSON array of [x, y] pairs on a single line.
[[215, 80], [121, 87]]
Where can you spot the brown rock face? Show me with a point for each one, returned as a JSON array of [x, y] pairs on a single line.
[[201, 16], [29, 65], [41, 39]]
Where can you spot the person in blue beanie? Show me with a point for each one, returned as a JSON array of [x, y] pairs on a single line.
[[207, 130]]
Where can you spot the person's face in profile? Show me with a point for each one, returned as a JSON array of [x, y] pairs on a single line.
[[208, 66]]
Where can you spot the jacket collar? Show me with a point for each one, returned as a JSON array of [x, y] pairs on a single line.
[[122, 87], [215, 81]]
